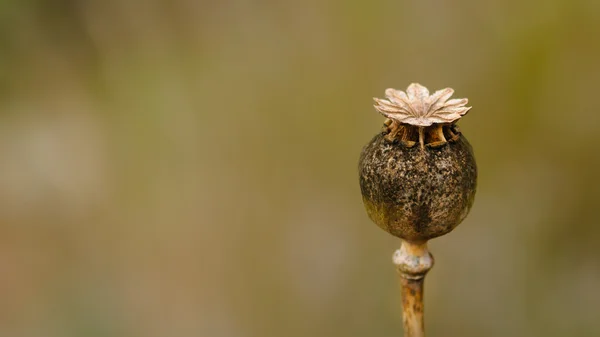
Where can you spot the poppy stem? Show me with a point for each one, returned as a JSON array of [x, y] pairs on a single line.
[[413, 261]]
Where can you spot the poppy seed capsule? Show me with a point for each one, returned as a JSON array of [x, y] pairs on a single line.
[[418, 176]]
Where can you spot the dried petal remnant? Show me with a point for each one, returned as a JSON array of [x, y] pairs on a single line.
[[417, 107]]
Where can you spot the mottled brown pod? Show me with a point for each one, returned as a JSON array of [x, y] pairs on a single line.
[[418, 176], [417, 193]]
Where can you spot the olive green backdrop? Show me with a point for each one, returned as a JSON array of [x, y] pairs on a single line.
[[189, 168]]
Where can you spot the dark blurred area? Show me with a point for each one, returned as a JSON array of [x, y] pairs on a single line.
[[183, 168]]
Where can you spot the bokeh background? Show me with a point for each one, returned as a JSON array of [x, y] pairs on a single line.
[[189, 168]]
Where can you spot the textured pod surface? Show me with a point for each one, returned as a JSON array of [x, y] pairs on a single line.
[[417, 193]]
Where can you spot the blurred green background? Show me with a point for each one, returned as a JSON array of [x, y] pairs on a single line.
[[185, 168]]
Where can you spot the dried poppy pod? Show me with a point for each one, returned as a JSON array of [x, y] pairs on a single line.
[[418, 176], [418, 179]]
